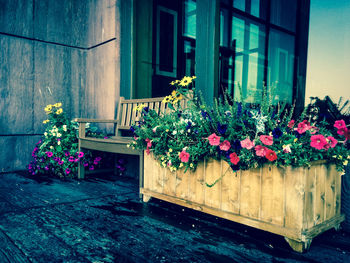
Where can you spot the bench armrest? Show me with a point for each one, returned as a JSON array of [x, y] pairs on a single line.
[[83, 120]]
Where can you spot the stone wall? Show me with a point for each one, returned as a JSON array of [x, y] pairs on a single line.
[[54, 51]]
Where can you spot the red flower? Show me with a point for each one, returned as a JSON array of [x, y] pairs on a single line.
[[214, 139], [270, 155], [291, 124], [184, 156], [318, 141], [149, 143], [342, 131], [225, 145], [260, 150], [267, 140], [234, 158], [339, 124]]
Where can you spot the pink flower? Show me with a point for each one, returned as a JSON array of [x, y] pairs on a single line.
[[225, 145], [247, 143], [214, 139], [80, 154], [234, 158], [60, 162], [86, 164], [184, 156], [260, 150], [155, 129], [149, 143], [148, 151], [303, 127], [291, 124], [71, 159], [91, 168], [332, 141], [67, 171], [49, 154], [270, 155], [266, 139], [342, 131], [339, 124], [318, 141]]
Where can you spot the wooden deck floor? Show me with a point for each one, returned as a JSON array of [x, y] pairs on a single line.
[[102, 220]]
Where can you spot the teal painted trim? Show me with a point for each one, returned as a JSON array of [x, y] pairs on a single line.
[[207, 48], [126, 48]]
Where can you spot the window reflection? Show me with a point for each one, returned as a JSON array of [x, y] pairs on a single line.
[[281, 64], [254, 7], [283, 13], [189, 35]]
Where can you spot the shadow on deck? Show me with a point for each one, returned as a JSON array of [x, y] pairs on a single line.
[[101, 219]]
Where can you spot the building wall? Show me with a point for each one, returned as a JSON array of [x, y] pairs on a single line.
[[54, 51]]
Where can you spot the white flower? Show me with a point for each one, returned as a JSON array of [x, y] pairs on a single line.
[[53, 134], [286, 148], [45, 134], [59, 135], [64, 127], [51, 147], [59, 143], [174, 132], [189, 130]]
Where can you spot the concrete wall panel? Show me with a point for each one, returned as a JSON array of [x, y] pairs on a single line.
[[18, 152], [16, 17], [59, 77], [16, 85]]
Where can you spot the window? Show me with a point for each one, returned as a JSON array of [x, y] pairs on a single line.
[[257, 48]]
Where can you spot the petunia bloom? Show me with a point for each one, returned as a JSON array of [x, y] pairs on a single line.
[[68, 171], [332, 142], [149, 143], [260, 150], [342, 131], [339, 124], [80, 154], [214, 139], [247, 144], [266, 139], [184, 156], [286, 148], [225, 145], [303, 127], [49, 154], [277, 133], [291, 124], [318, 141], [270, 155], [234, 158]]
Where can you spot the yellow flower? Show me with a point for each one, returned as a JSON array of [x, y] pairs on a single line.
[[48, 108], [296, 139], [59, 111], [345, 163], [191, 165], [167, 99], [167, 130], [45, 121], [58, 104], [181, 165], [185, 81], [139, 107], [170, 150]]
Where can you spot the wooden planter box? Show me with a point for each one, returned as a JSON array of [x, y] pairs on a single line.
[[297, 203]]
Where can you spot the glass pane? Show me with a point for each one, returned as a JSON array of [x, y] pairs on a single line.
[[283, 13], [248, 43], [190, 18], [166, 41], [254, 7], [189, 50], [224, 27], [281, 66]]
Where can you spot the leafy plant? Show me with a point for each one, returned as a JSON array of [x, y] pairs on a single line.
[[245, 135]]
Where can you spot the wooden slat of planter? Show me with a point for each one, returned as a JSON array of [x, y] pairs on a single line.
[[330, 194], [230, 189], [337, 189], [250, 195], [294, 202], [310, 196], [319, 214], [213, 172], [158, 177], [199, 184], [181, 188], [169, 183], [148, 164], [272, 195]]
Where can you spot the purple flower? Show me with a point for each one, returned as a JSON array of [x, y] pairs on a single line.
[[277, 133], [68, 171], [91, 168], [86, 164], [236, 145], [98, 158], [222, 128], [46, 168], [106, 137], [71, 159], [49, 154], [60, 162], [80, 154], [76, 160]]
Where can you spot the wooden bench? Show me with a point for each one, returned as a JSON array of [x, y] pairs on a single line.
[[126, 116]]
